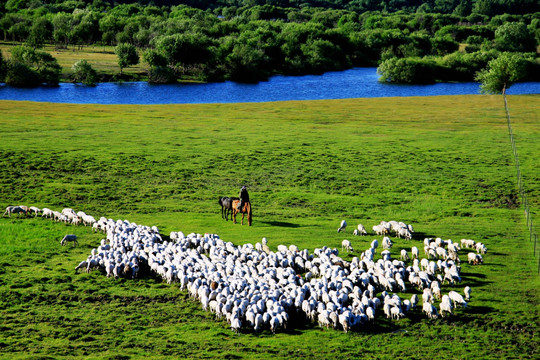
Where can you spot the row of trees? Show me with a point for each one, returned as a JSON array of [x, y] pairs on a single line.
[[250, 43], [488, 8], [140, 25]]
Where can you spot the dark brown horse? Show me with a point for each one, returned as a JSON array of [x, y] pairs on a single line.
[[226, 206], [246, 209]]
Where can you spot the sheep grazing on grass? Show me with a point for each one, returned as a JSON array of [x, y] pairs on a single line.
[[82, 265], [445, 306], [381, 229], [253, 287], [467, 243], [467, 292], [35, 210], [404, 256], [474, 259], [69, 238], [47, 213], [360, 230], [15, 210], [414, 252], [342, 226], [480, 248], [386, 243], [346, 245], [430, 310], [457, 298]]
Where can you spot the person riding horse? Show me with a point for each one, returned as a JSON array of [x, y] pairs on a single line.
[[244, 198]]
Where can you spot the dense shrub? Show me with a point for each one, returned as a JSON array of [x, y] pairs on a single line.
[[161, 75], [20, 75], [514, 37], [29, 67], [408, 70], [84, 72]]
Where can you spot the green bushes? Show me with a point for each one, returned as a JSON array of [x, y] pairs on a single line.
[[250, 42], [161, 75], [84, 72], [454, 67], [28, 68], [408, 70]]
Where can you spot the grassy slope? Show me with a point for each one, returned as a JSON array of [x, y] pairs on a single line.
[[443, 164]]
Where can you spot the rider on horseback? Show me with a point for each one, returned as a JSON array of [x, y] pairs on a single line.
[[244, 198]]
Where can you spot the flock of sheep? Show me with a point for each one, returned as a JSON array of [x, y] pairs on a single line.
[[253, 287]]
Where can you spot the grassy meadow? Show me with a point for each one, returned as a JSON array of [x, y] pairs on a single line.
[[443, 164]]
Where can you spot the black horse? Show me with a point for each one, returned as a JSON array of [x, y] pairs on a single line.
[[226, 206]]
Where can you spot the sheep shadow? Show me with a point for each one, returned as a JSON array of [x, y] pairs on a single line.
[[419, 235]]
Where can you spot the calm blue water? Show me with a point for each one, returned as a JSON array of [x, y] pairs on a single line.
[[354, 83]]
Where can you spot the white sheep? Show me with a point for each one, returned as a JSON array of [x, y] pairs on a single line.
[[414, 252], [474, 259], [445, 306], [467, 292], [256, 288], [404, 255], [346, 245], [69, 238], [15, 210], [35, 210], [360, 230], [386, 243], [467, 243], [342, 226], [457, 298], [430, 310], [480, 248]]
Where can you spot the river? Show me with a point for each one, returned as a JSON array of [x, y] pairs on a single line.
[[353, 83]]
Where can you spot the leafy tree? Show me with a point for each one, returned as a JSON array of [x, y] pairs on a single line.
[[246, 63], [3, 65], [444, 45], [185, 49], [62, 29], [127, 55], [321, 55], [21, 75], [40, 32], [514, 36], [463, 67], [154, 58], [501, 73], [29, 67], [84, 72], [6, 22], [20, 29], [161, 75]]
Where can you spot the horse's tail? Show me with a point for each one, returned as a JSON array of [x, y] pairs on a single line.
[[220, 201], [249, 213]]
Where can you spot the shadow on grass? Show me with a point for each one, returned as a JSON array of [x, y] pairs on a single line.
[[417, 235], [281, 224]]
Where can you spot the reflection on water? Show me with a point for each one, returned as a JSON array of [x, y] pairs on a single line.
[[354, 83]]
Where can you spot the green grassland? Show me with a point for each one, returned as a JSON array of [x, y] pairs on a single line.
[[443, 164]]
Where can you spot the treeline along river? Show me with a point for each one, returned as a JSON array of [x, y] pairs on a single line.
[[354, 83]]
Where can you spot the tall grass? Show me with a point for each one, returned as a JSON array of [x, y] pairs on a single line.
[[443, 164]]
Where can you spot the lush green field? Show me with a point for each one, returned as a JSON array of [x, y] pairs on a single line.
[[443, 164]]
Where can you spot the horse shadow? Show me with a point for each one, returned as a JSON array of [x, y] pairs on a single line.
[[281, 224]]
